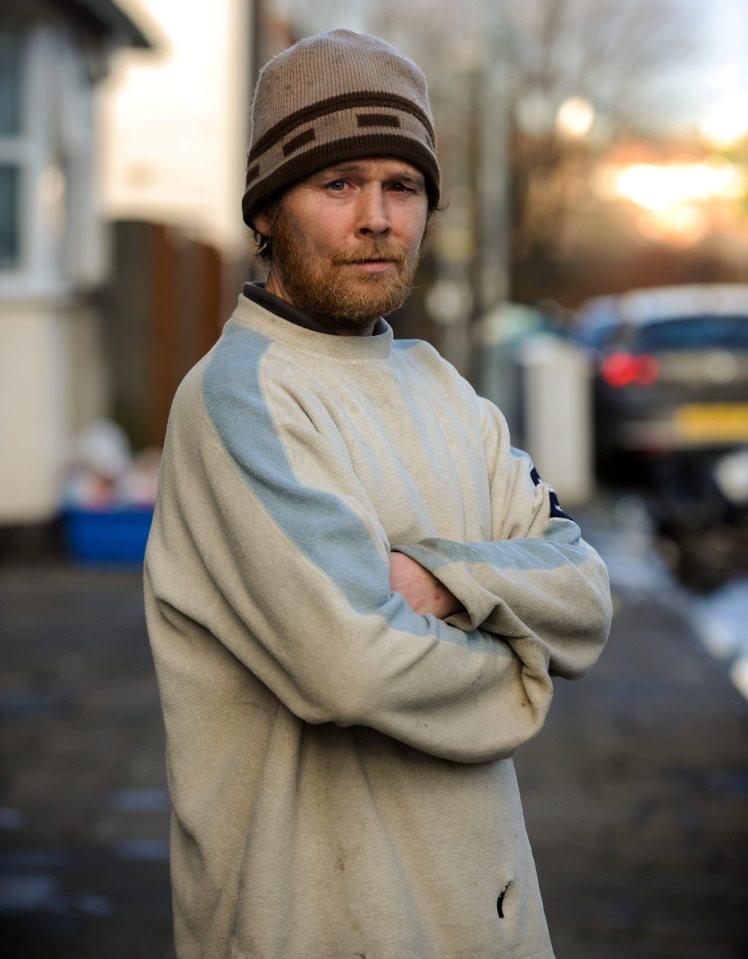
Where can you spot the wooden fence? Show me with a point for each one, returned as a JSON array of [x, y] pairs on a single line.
[[164, 308]]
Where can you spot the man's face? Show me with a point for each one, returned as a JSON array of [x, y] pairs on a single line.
[[346, 241]]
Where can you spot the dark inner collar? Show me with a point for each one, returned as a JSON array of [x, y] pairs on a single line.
[[258, 294]]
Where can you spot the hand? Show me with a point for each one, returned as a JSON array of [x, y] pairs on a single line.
[[422, 591]]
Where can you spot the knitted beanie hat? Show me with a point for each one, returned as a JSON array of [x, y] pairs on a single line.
[[335, 97]]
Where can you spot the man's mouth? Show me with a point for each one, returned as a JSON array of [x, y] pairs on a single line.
[[374, 265], [370, 264], [376, 259]]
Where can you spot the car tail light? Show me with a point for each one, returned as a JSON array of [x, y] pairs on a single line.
[[627, 369]]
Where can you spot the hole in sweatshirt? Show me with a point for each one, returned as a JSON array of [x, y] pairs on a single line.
[[500, 901]]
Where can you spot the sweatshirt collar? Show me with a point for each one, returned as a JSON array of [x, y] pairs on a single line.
[[255, 312], [287, 311]]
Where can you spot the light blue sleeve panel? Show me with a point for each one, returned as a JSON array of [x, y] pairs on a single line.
[[538, 582], [310, 609]]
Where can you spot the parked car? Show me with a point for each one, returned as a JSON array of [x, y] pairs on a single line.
[[670, 374], [670, 382]]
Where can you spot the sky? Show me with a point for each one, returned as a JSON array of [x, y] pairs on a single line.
[[726, 22], [724, 78]]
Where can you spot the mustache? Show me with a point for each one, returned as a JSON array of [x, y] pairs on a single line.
[[393, 252]]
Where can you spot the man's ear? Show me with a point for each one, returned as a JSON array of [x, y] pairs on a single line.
[[262, 223]]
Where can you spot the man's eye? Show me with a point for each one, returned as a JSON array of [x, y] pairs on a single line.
[[401, 187], [337, 185]]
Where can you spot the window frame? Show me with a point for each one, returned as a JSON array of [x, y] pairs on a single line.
[[60, 248]]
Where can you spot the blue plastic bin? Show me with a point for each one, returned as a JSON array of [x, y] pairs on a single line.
[[114, 535]]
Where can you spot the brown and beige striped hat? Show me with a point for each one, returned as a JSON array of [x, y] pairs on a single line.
[[335, 97]]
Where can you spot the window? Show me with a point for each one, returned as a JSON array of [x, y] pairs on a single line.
[[10, 188], [708, 332], [49, 240], [12, 49]]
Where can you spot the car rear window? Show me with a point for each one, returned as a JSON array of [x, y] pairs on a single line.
[[695, 333]]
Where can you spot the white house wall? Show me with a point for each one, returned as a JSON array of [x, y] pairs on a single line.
[[51, 366], [174, 122], [33, 425], [52, 384]]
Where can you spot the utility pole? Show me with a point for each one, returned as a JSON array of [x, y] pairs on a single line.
[[489, 186]]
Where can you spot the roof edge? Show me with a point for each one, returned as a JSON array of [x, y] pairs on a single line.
[[113, 21]]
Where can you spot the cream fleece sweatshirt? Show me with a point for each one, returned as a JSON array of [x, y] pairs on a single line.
[[339, 766]]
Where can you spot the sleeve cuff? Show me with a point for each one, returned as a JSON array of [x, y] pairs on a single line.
[[456, 575]]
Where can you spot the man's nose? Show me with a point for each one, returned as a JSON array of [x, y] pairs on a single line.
[[373, 216]]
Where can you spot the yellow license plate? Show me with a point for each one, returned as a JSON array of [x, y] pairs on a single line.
[[718, 422]]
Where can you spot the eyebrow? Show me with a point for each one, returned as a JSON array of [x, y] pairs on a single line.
[[343, 169]]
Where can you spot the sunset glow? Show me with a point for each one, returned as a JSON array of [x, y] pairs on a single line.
[[656, 187], [671, 201]]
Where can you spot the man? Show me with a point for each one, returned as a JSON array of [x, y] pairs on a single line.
[[357, 592]]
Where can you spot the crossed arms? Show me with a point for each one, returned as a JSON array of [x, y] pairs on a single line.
[[447, 647]]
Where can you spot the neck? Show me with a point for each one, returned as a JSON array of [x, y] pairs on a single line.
[[340, 327]]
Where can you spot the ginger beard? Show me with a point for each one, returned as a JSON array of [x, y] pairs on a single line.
[[333, 292]]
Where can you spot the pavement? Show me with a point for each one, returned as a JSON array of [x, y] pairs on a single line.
[[635, 792], [83, 805]]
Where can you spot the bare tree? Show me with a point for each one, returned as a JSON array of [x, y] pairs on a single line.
[[622, 58]]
